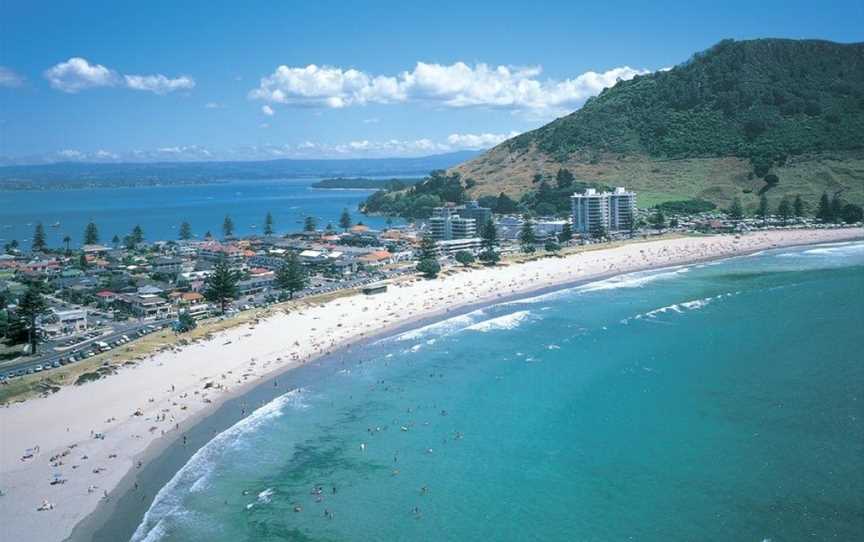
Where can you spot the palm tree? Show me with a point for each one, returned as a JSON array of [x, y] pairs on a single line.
[[67, 241]]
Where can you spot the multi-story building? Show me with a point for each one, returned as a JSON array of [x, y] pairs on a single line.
[[622, 209], [595, 213], [462, 222], [472, 209]]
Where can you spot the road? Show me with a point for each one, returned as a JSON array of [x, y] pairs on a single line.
[[50, 357], [128, 329]]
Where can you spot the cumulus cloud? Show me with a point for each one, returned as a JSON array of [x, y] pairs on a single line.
[[9, 78], [456, 85], [78, 74], [267, 110]]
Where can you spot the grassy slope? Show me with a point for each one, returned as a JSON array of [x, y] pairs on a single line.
[[658, 180]]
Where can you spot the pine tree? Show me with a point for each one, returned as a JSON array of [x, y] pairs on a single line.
[[527, 238], [566, 233], [268, 224], [345, 220], [564, 178], [137, 235], [658, 220], [291, 276], [185, 231], [30, 307], [837, 204], [91, 234], [309, 224], [736, 212], [227, 227], [824, 213], [38, 237], [799, 206], [115, 241], [428, 249], [784, 210], [68, 242], [221, 285], [763, 208], [428, 256], [489, 255]]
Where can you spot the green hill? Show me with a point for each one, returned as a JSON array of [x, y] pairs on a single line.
[[710, 128]]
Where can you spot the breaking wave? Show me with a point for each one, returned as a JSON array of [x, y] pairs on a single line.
[[196, 471], [679, 308], [508, 321]]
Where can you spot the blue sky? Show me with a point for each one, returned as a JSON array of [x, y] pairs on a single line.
[[162, 80]]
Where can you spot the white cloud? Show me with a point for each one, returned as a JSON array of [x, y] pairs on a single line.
[[9, 78], [456, 85], [71, 154], [213, 105], [373, 120], [267, 110], [359, 148], [477, 141], [105, 155], [158, 83], [78, 74]]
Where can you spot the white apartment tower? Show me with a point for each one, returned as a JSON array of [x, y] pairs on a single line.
[[595, 213]]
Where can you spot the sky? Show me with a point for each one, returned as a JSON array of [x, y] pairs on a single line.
[[187, 80]]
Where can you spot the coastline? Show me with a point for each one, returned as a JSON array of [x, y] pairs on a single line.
[[164, 455]]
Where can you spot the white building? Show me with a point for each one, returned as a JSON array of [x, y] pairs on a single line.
[[63, 323], [622, 209], [447, 224], [596, 213]]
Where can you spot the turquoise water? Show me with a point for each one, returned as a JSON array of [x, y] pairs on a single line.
[[710, 402], [160, 210]]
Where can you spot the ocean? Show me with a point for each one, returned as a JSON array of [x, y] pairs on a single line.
[[719, 401], [160, 210]]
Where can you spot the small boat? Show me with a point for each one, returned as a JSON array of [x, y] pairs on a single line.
[[56, 224]]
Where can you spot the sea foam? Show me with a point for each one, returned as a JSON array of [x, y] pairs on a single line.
[[508, 321], [197, 470]]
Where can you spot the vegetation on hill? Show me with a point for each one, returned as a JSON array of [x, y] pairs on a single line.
[[763, 100], [418, 200], [742, 119]]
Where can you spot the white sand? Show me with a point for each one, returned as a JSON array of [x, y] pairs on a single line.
[[240, 357]]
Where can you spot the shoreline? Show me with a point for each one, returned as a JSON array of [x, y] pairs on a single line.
[[94, 519]]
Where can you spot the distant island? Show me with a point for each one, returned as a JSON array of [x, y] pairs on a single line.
[[365, 183]]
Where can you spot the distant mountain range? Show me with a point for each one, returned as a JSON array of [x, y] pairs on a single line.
[[711, 128], [82, 175]]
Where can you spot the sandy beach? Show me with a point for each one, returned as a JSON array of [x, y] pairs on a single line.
[[85, 439]]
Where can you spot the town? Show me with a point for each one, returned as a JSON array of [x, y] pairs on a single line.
[[65, 305]]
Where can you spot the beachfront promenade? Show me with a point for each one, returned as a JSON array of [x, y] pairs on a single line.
[[91, 436]]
